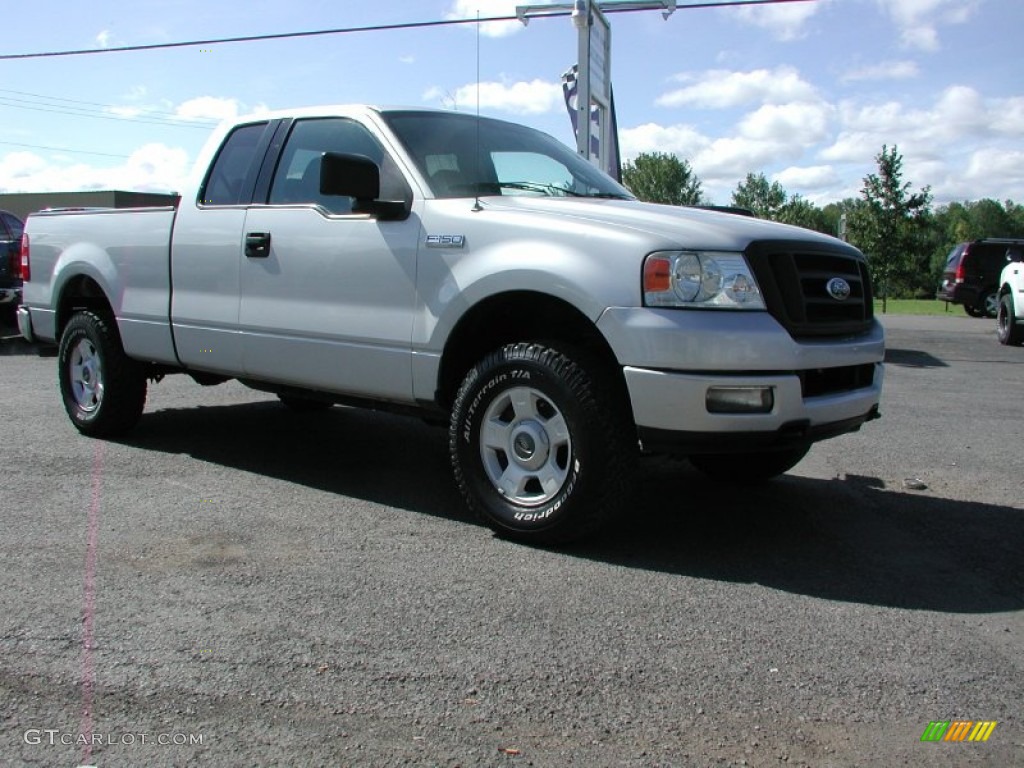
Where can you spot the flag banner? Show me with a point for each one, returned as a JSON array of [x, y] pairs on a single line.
[[570, 91]]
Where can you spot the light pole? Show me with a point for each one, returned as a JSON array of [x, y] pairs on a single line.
[[594, 79]]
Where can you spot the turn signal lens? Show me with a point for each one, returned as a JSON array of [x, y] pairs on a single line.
[[657, 274]]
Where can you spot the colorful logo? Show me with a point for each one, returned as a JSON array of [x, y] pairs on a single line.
[[958, 730]]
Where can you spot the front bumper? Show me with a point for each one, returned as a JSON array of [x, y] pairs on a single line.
[[820, 388], [670, 410]]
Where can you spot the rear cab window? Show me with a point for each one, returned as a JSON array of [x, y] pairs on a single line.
[[233, 174]]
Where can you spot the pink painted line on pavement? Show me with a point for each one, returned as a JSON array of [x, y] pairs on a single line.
[[89, 599]]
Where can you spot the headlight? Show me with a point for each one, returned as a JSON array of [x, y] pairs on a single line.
[[700, 280]]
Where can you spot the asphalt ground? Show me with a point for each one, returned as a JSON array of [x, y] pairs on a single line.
[[239, 585]]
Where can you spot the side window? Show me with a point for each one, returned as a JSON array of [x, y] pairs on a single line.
[[297, 178], [226, 181], [13, 224]]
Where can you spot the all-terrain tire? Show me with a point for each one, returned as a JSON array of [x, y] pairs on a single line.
[[1009, 329], [104, 390], [541, 443]]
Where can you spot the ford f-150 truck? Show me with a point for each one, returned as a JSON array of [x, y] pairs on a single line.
[[1010, 317], [470, 270]]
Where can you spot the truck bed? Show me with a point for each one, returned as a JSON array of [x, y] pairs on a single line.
[[125, 252]]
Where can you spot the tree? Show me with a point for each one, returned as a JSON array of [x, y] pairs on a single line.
[[660, 177], [802, 213], [890, 229], [757, 195]]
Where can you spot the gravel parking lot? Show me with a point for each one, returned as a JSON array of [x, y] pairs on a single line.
[[240, 585]]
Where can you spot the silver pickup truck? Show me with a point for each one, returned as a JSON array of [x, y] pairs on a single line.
[[474, 271]]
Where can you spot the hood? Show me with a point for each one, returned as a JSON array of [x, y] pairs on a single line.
[[679, 228]]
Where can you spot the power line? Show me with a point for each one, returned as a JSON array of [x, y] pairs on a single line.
[[63, 149], [55, 109], [350, 30], [43, 100]]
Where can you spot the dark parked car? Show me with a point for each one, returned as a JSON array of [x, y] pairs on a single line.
[[10, 281], [971, 277]]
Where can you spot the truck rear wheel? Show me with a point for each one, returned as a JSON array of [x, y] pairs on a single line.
[[1010, 331], [749, 468], [538, 444], [104, 390]]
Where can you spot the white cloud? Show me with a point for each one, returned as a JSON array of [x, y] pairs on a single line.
[[804, 179], [719, 88], [468, 9], [852, 147], [788, 123], [682, 140], [215, 108], [103, 38], [523, 98], [1010, 165], [919, 20], [734, 156], [785, 21], [152, 167], [959, 114], [886, 70]]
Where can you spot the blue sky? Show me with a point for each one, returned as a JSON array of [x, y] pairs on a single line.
[[806, 93]]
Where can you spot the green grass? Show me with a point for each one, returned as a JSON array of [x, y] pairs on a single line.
[[918, 307]]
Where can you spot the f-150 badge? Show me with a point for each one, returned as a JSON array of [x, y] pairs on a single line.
[[446, 241]]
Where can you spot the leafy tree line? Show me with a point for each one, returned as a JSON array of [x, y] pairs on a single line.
[[905, 239]]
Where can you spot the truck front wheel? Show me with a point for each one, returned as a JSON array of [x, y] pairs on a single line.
[[539, 444], [104, 390], [1010, 331], [749, 468]]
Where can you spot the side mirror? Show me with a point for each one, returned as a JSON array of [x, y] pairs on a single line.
[[358, 177]]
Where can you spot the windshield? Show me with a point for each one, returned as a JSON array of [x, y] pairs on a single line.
[[512, 159]]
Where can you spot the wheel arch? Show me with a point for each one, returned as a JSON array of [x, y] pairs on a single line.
[[80, 292], [516, 316]]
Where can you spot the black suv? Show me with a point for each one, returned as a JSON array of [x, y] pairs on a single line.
[[11, 228], [972, 272]]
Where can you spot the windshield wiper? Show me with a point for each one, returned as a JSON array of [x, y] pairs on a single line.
[[535, 186], [608, 196]]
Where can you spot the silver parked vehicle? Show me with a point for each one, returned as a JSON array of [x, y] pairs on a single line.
[[475, 271]]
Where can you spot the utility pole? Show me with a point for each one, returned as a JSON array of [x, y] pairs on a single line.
[[594, 61]]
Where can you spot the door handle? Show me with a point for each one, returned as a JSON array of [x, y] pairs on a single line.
[[257, 245]]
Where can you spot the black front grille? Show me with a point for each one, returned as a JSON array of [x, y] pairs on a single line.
[[794, 282]]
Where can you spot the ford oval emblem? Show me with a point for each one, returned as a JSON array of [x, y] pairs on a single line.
[[838, 289]]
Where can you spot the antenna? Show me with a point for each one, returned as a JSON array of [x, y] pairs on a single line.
[[476, 153]]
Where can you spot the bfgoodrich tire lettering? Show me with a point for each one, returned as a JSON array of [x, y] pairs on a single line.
[[104, 391], [539, 444]]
